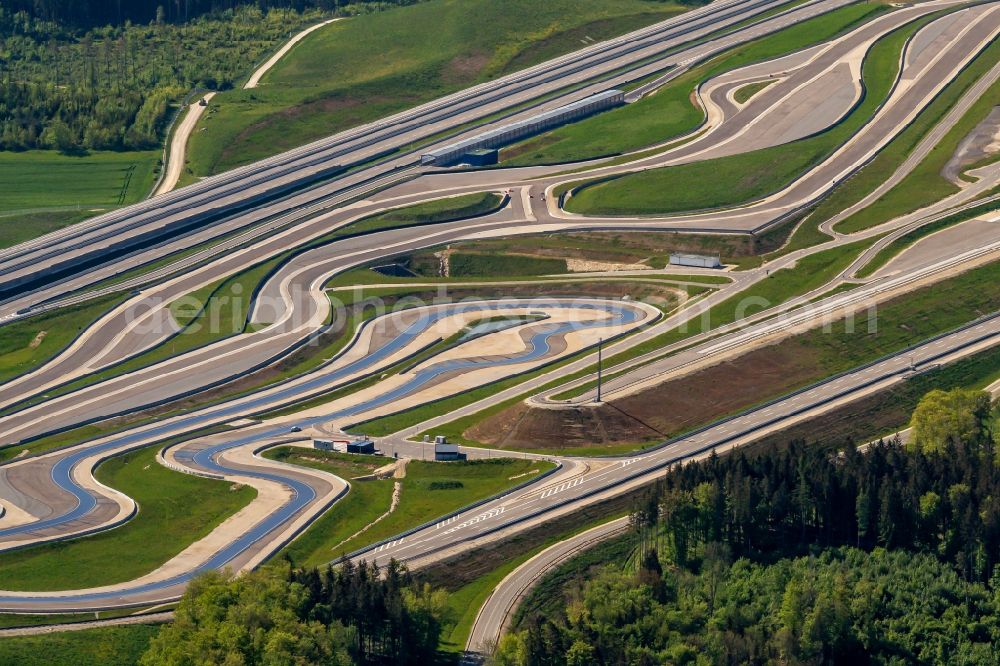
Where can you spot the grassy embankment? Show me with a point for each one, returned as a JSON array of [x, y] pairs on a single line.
[[883, 413], [651, 248], [465, 264], [175, 510], [727, 181], [44, 191], [465, 600], [743, 94], [430, 212], [670, 112], [392, 60], [429, 490], [10, 620]]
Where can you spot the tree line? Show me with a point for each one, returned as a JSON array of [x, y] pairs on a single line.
[[78, 76], [886, 553], [112, 88], [943, 500], [352, 614]]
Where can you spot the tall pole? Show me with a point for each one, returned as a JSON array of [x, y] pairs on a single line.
[[599, 342]]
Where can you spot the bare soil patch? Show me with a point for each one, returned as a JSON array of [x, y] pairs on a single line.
[[38, 339], [465, 67], [981, 143], [658, 412]]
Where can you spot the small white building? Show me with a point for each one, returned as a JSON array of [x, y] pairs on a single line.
[[357, 445], [324, 444], [443, 450], [695, 260]]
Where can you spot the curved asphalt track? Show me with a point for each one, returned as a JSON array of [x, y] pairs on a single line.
[[423, 545], [619, 314]]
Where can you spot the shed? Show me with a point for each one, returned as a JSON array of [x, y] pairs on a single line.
[[695, 260]]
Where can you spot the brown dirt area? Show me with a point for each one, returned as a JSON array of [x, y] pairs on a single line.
[[658, 412], [979, 145], [38, 339], [464, 68]]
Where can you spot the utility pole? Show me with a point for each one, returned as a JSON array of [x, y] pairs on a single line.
[[599, 342]]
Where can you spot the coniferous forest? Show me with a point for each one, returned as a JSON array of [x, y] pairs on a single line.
[[885, 554]]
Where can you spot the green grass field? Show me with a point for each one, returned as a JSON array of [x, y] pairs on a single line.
[[105, 646], [732, 180], [432, 212], [373, 65], [47, 179], [29, 342], [670, 112], [44, 191], [429, 490], [175, 510]]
